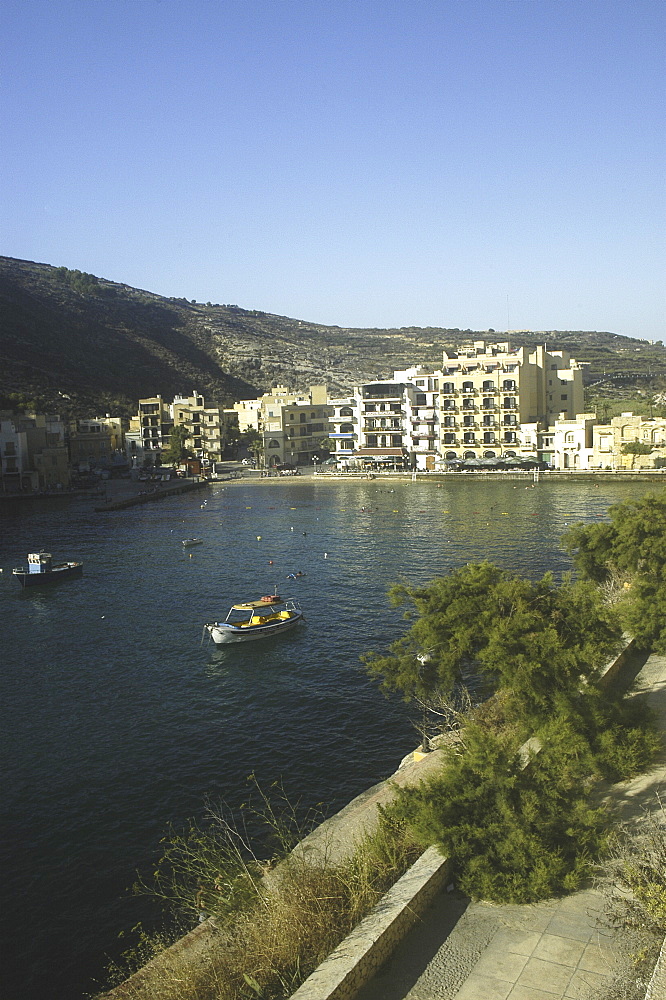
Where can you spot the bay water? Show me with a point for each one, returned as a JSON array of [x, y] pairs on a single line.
[[116, 721]]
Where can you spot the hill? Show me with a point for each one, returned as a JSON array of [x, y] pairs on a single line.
[[83, 345]]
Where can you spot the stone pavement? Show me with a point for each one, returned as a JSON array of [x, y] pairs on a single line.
[[555, 950]]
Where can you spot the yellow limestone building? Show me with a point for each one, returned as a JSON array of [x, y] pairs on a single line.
[[488, 391]]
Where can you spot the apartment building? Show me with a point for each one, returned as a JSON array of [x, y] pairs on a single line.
[[95, 440], [614, 443], [204, 428], [33, 452], [493, 399], [295, 426], [344, 423], [149, 434]]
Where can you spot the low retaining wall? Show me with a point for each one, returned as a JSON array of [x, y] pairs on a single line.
[[657, 986], [614, 668], [358, 957], [159, 493]]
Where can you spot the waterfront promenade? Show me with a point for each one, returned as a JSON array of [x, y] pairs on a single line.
[[555, 950]]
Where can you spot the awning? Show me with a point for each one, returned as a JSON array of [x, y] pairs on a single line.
[[381, 452]]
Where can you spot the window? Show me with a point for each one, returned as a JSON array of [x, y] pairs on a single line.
[[449, 404], [488, 437], [468, 404], [509, 384], [344, 428], [449, 421], [346, 411], [372, 440], [510, 437], [450, 455], [396, 440], [468, 421], [450, 439], [273, 443], [291, 416], [569, 438], [448, 387], [468, 387], [564, 396], [488, 403], [489, 454], [468, 437], [488, 385], [421, 399], [301, 417], [509, 402]]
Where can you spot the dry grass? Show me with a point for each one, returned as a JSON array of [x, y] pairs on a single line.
[[269, 949], [633, 884]]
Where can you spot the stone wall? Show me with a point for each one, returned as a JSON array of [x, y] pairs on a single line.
[[358, 957]]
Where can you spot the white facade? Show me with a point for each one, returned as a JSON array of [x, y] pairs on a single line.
[[573, 445]]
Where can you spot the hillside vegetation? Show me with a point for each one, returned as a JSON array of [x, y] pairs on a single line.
[[82, 345]]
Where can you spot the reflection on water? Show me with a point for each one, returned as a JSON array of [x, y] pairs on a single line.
[[116, 720]]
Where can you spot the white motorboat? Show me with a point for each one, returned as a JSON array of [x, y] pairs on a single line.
[[260, 619]]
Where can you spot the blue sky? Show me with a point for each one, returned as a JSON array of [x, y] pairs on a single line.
[[464, 163]]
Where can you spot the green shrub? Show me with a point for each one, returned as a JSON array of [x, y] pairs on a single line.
[[516, 831]]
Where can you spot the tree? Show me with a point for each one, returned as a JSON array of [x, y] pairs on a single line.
[[634, 543], [517, 831], [253, 440], [177, 450], [533, 640]]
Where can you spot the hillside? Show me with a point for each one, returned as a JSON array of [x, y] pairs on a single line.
[[83, 345]]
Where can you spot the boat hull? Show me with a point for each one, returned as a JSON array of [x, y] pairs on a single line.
[[223, 633], [67, 571]]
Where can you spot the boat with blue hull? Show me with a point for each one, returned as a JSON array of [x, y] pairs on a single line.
[[260, 619], [41, 570]]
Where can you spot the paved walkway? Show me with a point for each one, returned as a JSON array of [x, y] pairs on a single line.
[[556, 950]]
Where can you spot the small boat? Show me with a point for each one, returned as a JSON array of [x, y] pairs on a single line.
[[188, 542], [41, 570], [256, 620]]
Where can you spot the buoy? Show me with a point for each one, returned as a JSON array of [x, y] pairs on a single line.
[[270, 562], [258, 538], [325, 555]]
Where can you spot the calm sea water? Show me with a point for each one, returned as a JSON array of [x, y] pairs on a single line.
[[116, 721]]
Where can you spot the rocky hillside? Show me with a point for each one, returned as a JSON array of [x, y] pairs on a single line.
[[85, 345]]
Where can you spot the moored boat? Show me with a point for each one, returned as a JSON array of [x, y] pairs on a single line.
[[188, 542], [42, 570], [260, 619]]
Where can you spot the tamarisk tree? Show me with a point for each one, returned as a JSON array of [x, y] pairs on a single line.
[[540, 643]]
